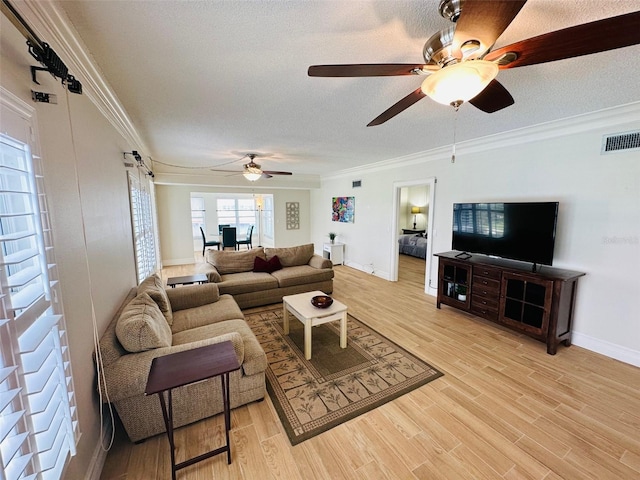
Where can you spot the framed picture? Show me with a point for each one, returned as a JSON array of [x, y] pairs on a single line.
[[343, 209], [293, 215]]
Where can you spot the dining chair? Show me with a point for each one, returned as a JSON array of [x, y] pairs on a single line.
[[229, 237], [246, 241], [220, 227], [205, 244]]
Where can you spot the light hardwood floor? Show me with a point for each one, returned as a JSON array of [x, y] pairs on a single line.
[[504, 409]]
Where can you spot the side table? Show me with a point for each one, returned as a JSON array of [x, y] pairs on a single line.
[[182, 368], [187, 280], [334, 252]]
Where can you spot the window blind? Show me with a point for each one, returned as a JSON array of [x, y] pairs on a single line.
[[38, 418], [142, 225]]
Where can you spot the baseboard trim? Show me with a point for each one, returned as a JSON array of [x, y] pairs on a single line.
[[177, 261], [366, 269], [608, 349], [99, 454]]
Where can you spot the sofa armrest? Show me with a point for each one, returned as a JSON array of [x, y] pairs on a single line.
[[210, 271], [127, 377], [191, 296], [316, 261]]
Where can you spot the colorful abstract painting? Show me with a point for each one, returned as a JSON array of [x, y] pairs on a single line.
[[343, 209]]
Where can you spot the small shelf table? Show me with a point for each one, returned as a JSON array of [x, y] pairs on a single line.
[[190, 366], [187, 280], [334, 252]]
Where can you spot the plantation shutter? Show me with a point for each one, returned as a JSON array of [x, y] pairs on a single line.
[[143, 231], [38, 418]]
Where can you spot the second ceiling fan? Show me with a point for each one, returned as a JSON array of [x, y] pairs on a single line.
[[460, 66], [252, 171]]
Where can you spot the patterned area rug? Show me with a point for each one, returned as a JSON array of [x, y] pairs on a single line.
[[336, 385]]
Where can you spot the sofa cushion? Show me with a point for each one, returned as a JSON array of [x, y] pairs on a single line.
[[301, 275], [267, 266], [236, 261], [225, 308], [191, 296], [142, 326], [291, 256], [235, 283], [152, 285]]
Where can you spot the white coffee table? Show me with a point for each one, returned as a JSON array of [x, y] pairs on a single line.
[[300, 306]]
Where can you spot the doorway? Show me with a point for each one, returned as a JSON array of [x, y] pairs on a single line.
[[413, 207]]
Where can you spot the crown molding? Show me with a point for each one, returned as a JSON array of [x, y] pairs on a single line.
[[606, 118], [52, 26]]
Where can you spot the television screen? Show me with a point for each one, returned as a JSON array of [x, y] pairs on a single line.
[[518, 231]]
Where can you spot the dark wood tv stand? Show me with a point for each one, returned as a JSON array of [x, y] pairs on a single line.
[[539, 304]]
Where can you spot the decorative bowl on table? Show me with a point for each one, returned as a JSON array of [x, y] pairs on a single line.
[[321, 301]]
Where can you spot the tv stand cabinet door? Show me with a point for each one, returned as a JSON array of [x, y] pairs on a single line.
[[454, 284], [525, 304]]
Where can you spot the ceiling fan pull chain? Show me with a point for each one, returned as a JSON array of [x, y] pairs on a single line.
[[455, 123]]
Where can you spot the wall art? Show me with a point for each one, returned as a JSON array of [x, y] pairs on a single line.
[[343, 209], [293, 215]]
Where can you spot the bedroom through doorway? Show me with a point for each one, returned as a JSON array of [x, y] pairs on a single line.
[[413, 211]]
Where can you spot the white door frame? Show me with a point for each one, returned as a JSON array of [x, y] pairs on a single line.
[[397, 186]]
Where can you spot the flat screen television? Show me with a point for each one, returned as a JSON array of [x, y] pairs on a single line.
[[518, 231]]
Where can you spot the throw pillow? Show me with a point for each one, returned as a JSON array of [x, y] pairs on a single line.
[[152, 285], [141, 326], [268, 266]]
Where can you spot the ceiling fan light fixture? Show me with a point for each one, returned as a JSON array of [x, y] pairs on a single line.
[[252, 174], [459, 82]]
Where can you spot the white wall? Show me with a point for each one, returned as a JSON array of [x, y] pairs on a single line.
[[174, 219], [87, 189], [599, 219]]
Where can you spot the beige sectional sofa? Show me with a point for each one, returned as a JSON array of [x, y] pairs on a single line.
[[153, 322], [253, 276]]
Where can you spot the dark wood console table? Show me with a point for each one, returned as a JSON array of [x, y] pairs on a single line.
[[539, 304], [412, 230], [190, 366]]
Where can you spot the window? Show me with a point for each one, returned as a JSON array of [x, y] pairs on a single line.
[[197, 216], [38, 419], [268, 217], [236, 212], [144, 238]]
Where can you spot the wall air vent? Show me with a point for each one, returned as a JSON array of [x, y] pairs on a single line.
[[620, 141], [356, 183]]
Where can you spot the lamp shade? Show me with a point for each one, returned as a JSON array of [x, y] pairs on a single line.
[[459, 82], [252, 174], [415, 210]]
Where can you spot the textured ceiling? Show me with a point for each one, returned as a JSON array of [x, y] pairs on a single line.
[[206, 81]]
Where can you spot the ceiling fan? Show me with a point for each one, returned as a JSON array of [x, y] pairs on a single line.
[[460, 66], [252, 171]]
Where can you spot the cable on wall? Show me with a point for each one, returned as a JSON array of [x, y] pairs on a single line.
[[96, 335]]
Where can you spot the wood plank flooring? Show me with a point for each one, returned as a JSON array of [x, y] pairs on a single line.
[[504, 409]]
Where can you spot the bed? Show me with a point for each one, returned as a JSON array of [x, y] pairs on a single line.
[[414, 245]]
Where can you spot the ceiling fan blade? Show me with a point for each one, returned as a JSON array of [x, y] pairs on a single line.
[[593, 37], [493, 98], [271, 172], [484, 22], [395, 109], [369, 69]]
